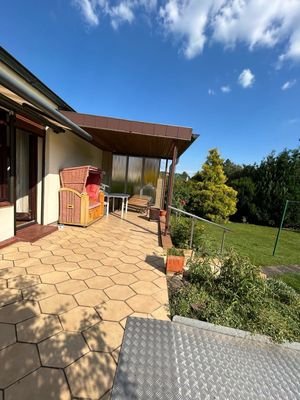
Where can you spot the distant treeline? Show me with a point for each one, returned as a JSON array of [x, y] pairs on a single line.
[[262, 189]]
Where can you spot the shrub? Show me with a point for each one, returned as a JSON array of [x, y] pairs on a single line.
[[238, 297], [181, 234], [175, 252]]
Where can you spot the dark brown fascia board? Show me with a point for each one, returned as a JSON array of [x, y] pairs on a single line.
[[146, 128]]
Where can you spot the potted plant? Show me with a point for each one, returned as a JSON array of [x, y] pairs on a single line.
[[175, 260]]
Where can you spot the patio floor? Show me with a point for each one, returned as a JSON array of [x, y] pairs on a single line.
[[64, 302]]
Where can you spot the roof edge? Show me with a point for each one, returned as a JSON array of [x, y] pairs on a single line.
[[29, 77]]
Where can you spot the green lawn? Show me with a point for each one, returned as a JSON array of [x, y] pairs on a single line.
[[257, 242], [291, 279]]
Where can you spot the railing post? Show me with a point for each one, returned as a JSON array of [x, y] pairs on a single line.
[[223, 240], [192, 232]]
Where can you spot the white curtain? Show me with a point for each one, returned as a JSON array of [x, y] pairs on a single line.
[[22, 172]]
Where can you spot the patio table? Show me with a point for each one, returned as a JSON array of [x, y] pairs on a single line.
[[113, 196]]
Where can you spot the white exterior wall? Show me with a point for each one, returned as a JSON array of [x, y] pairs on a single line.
[[64, 150], [6, 222]]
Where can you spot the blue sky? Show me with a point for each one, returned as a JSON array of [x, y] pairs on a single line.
[[229, 69]]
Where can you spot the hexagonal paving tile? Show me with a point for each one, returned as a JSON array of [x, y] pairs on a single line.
[[3, 284], [66, 266], [62, 252], [144, 287], [75, 257], [143, 304], [7, 335], [91, 297], [6, 264], [161, 282], [119, 292], [18, 255], [44, 383], [144, 265], [40, 253], [130, 259], [40, 269], [145, 275], [104, 336], [92, 375], [96, 255], [99, 282], [39, 292], [124, 279], [110, 261], [12, 272], [35, 329], [27, 262], [19, 359], [52, 260], [79, 318], [127, 268], [21, 282], [105, 271], [161, 297], [161, 313], [57, 304], [17, 312], [61, 350], [8, 296], [71, 286], [55, 277], [82, 274], [89, 264], [114, 310]]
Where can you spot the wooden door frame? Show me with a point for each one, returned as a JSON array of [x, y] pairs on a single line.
[[33, 175]]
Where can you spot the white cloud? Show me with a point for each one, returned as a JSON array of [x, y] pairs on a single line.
[[246, 78], [226, 89], [118, 11], [197, 23], [211, 92], [121, 13], [288, 84], [88, 11]]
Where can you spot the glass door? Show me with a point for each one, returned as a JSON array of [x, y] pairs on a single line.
[[26, 178]]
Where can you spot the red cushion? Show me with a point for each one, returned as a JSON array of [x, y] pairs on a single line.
[[93, 191]]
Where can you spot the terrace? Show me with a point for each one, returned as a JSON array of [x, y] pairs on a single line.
[[64, 304]]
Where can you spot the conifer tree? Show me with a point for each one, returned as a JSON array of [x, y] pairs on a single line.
[[211, 197]]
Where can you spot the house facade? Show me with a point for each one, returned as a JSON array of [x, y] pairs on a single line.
[[40, 134]]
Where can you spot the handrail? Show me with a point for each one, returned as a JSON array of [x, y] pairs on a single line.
[[193, 216], [201, 219]]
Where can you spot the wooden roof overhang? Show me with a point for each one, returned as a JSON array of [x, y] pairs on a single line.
[[134, 138]]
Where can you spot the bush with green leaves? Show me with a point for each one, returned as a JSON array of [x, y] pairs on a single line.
[[236, 295], [181, 234]]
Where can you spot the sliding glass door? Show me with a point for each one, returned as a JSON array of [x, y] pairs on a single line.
[[26, 178]]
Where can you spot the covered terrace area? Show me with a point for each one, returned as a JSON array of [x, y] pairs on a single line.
[[64, 301]]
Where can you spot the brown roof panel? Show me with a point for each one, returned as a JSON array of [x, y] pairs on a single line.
[[134, 137]]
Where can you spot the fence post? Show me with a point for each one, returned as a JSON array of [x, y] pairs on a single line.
[[223, 240], [192, 232]]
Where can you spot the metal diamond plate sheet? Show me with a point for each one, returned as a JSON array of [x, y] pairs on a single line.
[[162, 360]]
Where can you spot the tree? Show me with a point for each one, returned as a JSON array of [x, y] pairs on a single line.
[[210, 196], [181, 190]]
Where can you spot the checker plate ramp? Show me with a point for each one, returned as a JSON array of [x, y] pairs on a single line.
[[162, 360]]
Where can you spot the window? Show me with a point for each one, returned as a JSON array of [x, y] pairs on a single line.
[[4, 157]]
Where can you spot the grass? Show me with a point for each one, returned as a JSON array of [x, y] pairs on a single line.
[[257, 243], [291, 279]]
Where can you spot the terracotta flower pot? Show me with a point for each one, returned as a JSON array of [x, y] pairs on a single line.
[[175, 264]]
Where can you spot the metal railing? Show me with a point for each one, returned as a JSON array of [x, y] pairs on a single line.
[[194, 217]]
